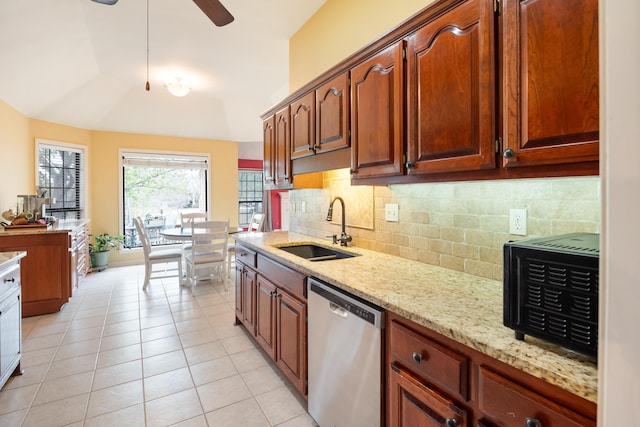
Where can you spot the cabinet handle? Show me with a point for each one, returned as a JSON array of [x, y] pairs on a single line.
[[451, 422], [9, 280], [417, 357], [532, 422], [508, 153]]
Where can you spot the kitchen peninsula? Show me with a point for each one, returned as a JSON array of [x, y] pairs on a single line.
[[57, 257], [455, 311]]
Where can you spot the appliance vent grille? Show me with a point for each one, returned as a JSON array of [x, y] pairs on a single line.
[[569, 248]]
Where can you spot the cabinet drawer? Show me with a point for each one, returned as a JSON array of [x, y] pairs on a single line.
[[245, 256], [9, 280], [436, 363], [507, 403], [282, 276]]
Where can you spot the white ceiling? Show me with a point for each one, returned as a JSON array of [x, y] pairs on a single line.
[[83, 64]]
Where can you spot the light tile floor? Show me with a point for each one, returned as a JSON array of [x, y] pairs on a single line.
[[118, 356]]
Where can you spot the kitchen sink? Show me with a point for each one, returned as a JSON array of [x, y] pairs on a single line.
[[312, 252]]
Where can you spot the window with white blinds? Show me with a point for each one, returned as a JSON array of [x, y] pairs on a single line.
[[158, 187]]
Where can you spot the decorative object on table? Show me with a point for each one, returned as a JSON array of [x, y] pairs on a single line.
[[100, 248]]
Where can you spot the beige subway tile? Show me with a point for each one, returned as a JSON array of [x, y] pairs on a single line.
[[440, 246], [479, 237], [452, 234], [463, 250], [452, 262]]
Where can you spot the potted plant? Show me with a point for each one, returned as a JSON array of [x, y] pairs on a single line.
[[100, 248]]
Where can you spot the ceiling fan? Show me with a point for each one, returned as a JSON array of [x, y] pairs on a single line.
[[218, 14]]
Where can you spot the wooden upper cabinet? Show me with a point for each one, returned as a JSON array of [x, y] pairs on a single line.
[[282, 154], [276, 134], [551, 93], [377, 97], [451, 92], [332, 114], [303, 126], [268, 141]]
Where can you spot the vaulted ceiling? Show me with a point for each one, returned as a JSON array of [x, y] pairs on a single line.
[[84, 64]]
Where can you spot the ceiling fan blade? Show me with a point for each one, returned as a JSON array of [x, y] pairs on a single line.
[[109, 2], [215, 11]]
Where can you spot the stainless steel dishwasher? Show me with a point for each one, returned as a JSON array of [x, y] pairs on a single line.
[[345, 358]]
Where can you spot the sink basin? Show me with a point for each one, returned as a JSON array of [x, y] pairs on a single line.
[[312, 252]]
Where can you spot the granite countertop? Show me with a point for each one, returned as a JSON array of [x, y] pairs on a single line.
[[61, 226], [460, 306], [8, 258]]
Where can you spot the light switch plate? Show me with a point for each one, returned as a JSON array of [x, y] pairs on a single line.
[[391, 212]]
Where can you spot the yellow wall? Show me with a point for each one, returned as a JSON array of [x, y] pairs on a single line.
[[18, 174], [340, 28], [223, 194], [15, 158]]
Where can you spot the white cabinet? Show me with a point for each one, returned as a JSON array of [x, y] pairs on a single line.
[[10, 319]]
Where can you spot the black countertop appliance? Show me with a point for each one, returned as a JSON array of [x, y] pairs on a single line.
[[551, 289]]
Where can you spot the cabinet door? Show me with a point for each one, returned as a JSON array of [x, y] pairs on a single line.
[[332, 114], [10, 334], [291, 335], [377, 88], [303, 129], [266, 315], [507, 403], [451, 92], [412, 403], [551, 91], [248, 283], [239, 288], [269, 141], [282, 147]]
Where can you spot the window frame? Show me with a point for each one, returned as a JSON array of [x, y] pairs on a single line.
[[176, 155], [83, 150], [254, 170]]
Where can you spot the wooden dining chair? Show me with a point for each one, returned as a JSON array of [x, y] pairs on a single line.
[[208, 254], [153, 256], [255, 225]]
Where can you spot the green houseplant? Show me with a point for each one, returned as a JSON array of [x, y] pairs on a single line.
[[100, 248]]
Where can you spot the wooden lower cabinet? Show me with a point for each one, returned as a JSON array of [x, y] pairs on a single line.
[[266, 315], [291, 336], [245, 296], [414, 403], [45, 272], [272, 305], [428, 376]]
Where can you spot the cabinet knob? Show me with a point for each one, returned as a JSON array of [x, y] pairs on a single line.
[[417, 357], [508, 153], [9, 280], [532, 422], [409, 165], [451, 422]]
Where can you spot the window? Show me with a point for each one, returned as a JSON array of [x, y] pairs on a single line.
[[61, 169], [158, 187], [249, 194]]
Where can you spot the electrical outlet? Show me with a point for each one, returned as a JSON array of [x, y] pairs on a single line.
[[518, 222], [391, 212]]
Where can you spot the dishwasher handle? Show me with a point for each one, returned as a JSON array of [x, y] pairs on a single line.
[[337, 310]]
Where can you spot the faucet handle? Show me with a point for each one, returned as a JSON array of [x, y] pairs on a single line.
[[334, 237]]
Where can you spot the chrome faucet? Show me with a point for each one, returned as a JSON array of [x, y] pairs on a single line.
[[344, 237]]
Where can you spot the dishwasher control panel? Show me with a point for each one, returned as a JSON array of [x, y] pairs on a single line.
[[350, 303]]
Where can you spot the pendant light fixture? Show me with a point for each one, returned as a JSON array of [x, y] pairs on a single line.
[[148, 86]]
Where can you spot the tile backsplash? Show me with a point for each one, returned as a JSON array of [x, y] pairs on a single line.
[[460, 226]]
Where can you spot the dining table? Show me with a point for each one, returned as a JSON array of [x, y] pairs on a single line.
[[184, 235]]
